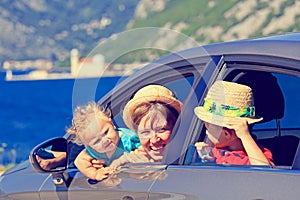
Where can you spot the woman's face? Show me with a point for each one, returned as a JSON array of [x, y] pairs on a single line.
[[101, 135], [154, 132]]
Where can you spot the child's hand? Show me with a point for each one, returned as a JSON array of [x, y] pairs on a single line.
[[240, 126], [201, 145], [204, 151], [98, 163], [103, 173]]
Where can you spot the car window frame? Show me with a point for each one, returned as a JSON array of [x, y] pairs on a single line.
[[184, 132], [265, 63]]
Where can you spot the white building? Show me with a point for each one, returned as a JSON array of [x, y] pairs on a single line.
[[86, 67]]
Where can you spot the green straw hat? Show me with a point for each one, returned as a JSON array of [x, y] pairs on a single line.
[[227, 101]]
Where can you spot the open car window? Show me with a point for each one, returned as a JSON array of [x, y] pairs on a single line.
[[276, 98], [181, 87]]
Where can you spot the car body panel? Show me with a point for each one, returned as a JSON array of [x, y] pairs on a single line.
[[21, 172], [229, 183]]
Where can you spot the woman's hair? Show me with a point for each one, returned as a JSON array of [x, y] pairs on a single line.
[[82, 117], [152, 109]]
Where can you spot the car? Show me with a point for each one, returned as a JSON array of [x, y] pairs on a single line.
[[269, 65]]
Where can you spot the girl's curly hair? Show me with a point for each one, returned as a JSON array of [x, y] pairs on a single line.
[[83, 116]]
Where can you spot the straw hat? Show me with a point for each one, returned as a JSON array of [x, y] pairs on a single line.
[[150, 93], [227, 101]]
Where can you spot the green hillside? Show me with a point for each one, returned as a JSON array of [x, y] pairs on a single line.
[[135, 30], [209, 20], [205, 21]]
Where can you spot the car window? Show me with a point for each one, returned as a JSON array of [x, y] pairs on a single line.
[[180, 87], [290, 86], [280, 132], [284, 134], [290, 122]]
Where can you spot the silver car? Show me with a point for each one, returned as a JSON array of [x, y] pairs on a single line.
[[271, 66]]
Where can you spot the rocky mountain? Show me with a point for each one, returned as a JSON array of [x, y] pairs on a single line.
[[33, 29], [215, 20]]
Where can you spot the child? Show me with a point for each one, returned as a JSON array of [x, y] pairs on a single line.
[[93, 127], [227, 112]]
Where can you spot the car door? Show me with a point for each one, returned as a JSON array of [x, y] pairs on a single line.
[[227, 182], [190, 179]]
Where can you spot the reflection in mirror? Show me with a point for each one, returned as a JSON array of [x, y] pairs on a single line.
[[50, 156], [49, 159]]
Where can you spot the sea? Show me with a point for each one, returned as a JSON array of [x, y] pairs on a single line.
[[33, 111]]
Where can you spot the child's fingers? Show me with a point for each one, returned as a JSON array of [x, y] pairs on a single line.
[[103, 173], [100, 176], [98, 166], [237, 121], [200, 145], [98, 163]]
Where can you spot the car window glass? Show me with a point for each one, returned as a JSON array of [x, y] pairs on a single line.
[[181, 87], [283, 137], [290, 86]]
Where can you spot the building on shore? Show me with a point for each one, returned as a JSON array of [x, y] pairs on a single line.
[[87, 67]]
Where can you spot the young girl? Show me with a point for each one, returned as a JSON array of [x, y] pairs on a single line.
[[94, 128]]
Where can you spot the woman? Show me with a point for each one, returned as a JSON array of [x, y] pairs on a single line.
[[152, 113]]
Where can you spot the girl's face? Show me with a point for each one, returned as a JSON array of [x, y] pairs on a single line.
[[101, 135], [154, 132]]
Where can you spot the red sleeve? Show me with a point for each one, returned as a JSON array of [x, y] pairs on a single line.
[[268, 155]]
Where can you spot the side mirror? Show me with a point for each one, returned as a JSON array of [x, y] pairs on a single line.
[[50, 156]]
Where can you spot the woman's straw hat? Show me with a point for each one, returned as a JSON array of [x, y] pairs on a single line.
[[150, 93], [227, 101]]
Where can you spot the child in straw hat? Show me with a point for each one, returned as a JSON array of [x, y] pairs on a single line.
[[227, 112], [152, 113], [93, 127]]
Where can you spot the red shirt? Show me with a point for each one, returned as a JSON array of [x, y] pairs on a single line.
[[238, 157]]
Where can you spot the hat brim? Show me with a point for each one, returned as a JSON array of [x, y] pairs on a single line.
[[221, 120], [134, 103]]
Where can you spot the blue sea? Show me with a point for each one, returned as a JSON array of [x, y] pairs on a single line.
[[34, 111]]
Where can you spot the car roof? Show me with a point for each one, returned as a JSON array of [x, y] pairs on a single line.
[[286, 46]]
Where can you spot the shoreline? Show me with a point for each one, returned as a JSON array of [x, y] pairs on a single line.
[[59, 76]]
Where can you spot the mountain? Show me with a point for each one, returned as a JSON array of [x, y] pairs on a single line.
[[215, 20], [50, 29]]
